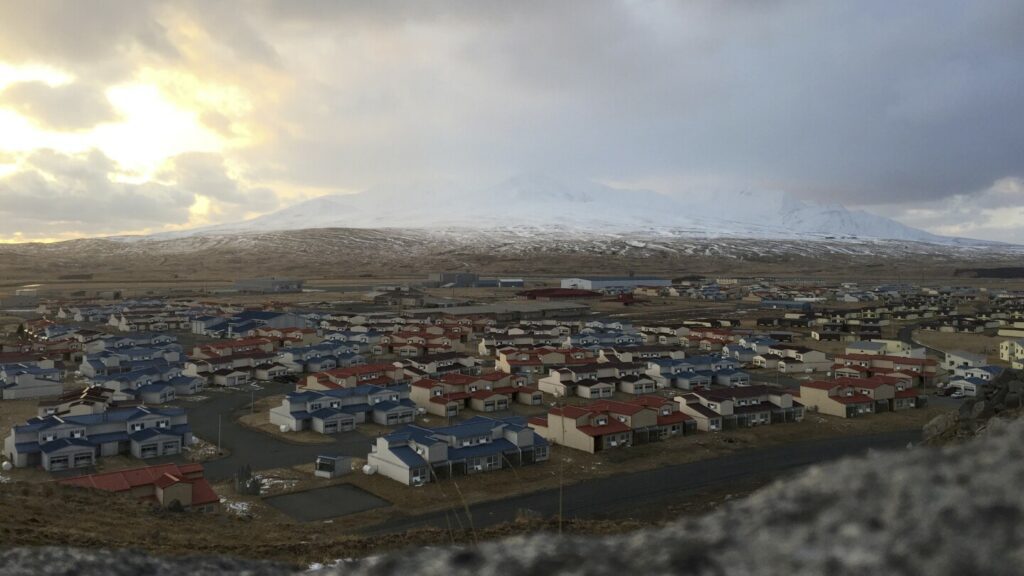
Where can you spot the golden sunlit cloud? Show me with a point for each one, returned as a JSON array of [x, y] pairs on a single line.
[[153, 129], [34, 73], [199, 211]]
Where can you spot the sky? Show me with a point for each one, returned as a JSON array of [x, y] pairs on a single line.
[[139, 116]]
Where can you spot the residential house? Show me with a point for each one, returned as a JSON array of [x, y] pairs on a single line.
[[835, 398], [341, 409], [61, 442], [414, 455], [379, 374], [26, 381], [744, 407], [169, 485], [608, 424], [452, 393]]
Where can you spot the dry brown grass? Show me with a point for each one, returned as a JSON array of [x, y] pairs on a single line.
[[580, 466], [14, 412], [974, 343]]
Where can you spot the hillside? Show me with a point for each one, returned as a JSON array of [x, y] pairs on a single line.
[[540, 203], [339, 252]]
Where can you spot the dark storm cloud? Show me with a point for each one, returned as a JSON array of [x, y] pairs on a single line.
[[868, 103], [98, 37], [861, 103]]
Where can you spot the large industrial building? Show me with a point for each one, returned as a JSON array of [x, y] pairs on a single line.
[[269, 285], [613, 282]]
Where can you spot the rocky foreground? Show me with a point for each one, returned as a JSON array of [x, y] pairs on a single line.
[[953, 510]]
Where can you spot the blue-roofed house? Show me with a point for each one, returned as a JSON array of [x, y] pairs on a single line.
[[341, 409], [74, 441], [415, 455], [985, 373], [23, 381]]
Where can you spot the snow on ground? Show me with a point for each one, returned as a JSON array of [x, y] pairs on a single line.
[[271, 484], [236, 507], [201, 449]]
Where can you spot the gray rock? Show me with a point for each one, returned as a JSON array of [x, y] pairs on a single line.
[[939, 426], [54, 561]]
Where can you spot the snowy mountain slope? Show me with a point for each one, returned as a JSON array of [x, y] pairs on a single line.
[[531, 204]]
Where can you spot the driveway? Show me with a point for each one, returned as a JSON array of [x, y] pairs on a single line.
[[259, 450], [645, 494]]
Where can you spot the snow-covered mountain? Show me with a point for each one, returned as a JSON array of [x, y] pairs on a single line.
[[543, 204]]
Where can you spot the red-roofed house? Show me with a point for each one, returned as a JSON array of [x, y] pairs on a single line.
[[166, 484], [835, 399], [450, 394], [232, 347], [612, 424], [922, 370], [352, 376]]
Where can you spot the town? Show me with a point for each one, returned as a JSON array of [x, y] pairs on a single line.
[[301, 400]]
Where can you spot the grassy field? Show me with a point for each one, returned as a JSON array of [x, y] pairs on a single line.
[[974, 343]]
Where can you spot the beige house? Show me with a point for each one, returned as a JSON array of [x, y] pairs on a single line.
[[835, 399], [612, 424], [1012, 351], [585, 429]]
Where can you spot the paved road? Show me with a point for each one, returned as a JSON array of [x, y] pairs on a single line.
[[906, 334], [645, 493], [257, 449]]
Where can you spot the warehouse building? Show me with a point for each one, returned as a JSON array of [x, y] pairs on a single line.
[[613, 283]]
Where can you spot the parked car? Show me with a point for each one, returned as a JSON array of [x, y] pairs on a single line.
[[958, 395]]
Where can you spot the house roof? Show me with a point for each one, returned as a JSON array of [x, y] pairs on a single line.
[[853, 399], [162, 475], [612, 427]]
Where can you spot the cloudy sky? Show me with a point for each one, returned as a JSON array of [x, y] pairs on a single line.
[[138, 116]]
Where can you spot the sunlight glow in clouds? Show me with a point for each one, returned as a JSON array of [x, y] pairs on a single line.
[[213, 111], [153, 130]]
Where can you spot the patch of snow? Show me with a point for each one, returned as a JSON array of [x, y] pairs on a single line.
[[270, 483], [238, 508]]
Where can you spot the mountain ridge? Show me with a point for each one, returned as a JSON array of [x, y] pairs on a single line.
[[529, 203]]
